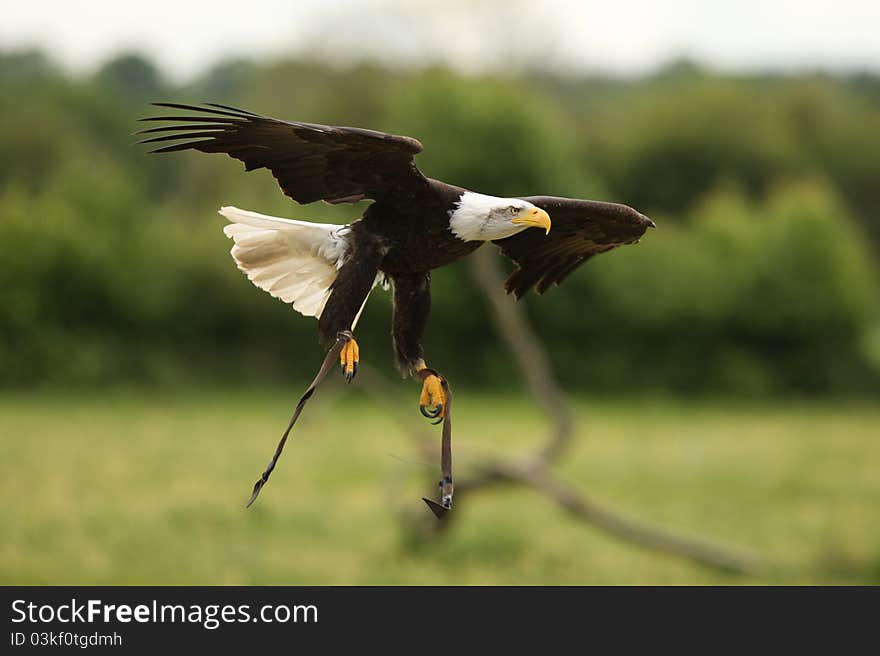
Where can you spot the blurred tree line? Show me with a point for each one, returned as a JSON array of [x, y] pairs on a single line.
[[761, 279]]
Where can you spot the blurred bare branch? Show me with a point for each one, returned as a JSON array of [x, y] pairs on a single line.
[[539, 477], [528, 353], [535, 472]]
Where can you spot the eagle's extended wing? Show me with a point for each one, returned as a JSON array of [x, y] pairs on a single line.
[[310, 162], [581, 229]]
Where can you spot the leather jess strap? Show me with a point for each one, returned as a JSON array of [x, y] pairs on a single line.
[[329, 363], [446, 487]]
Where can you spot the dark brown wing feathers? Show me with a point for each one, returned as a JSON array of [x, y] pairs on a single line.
[[581, 229], [310, 161], [340, 164]]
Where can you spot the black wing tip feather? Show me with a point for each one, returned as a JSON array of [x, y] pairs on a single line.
[[179, 128], [174, 137], [234, 109], [177, 147], [210, 108], [213, 120], [226, 115]]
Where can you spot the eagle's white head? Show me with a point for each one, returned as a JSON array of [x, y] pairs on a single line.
[[477, 217]]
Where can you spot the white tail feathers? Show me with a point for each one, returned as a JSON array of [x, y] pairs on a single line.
[[295, 261]]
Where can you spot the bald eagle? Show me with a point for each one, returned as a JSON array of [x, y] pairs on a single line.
[[414, 225]]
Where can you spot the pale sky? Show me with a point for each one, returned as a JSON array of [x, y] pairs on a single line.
[[621, 37]]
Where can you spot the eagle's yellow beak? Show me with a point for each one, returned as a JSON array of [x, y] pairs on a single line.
[[535, 218]]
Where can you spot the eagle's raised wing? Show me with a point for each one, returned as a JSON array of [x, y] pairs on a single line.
[[581, 229], [310, 162]]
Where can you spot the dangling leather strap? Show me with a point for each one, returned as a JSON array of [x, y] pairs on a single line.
[[330, 360], [446, 487]]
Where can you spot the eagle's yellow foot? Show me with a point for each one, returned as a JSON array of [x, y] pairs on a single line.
[[432, 403], [348, 359]]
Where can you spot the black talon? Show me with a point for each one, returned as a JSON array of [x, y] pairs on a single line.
[[434, 413]]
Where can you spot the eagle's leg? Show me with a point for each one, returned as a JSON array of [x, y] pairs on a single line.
[[348, 359], [350, 290], [412, 303]]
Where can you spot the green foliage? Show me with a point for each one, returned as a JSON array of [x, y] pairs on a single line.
[[759, 279], [672, 143], [744, 296], [135, 77], [487, 134]]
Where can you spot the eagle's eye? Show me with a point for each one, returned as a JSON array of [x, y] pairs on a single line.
[[513, 210]]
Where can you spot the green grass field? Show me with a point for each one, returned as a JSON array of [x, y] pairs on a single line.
[[149, 488]]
